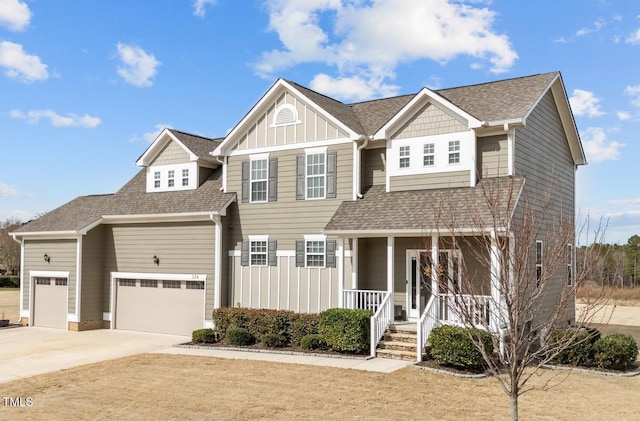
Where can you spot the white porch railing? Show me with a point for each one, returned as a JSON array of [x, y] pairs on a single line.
[[477, 306], [428, 320], [380, 321], [363, 299]]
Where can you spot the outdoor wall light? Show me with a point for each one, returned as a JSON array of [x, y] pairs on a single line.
[[47, 258], [156, 260]]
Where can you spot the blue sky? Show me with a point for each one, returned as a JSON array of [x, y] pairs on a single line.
[[85, 86]]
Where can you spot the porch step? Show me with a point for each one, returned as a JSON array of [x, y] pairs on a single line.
[[400, 337], [398, 343], [393, 354]]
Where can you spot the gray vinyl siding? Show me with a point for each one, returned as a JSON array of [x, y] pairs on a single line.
[[63, 258], [374, 167], [429, 181], [93, 279], [542, 156], [172, 153], [474, 268], [287, 219], [183, 248], [372, 263], [430, 120], [492, 156]]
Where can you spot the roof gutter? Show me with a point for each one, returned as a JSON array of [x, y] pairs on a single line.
[[358, 163]]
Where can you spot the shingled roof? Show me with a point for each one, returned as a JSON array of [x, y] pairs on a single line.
[[199, 145], [426, 210]]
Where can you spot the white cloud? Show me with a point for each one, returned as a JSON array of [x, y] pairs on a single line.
[[7, 190], [585, 103], [198, 6], [633, 38], [136, 66], [366, 41], [598, 147], [597, 25], [623, 115], [634, 93], [20, 215], [14, 15], [19, 65], [150, 136], [56, 120], [353, 88]]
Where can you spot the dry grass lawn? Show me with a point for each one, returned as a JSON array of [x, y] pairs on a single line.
[[10, 304], [157, 386]]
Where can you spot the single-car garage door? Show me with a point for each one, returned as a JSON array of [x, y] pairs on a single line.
[[162, 306], [50, 302]]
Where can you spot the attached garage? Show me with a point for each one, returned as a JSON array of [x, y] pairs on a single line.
[[159, 304], [50, 301]]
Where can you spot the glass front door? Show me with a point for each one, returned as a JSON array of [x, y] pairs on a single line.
[[418, 283]]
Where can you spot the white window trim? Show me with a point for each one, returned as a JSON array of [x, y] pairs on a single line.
[[450, 152], [177, 177], [252, 158], [401, 157], [280, 108], [183, 177], [315, 151], [254, 238], [432, 154], [316, 237]]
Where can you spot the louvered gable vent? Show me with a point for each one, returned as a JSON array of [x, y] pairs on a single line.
[[285, 114]]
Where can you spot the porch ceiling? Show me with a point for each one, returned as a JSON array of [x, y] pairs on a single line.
[[428, 210]]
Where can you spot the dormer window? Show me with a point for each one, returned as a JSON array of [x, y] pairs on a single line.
[[185, 177], [156, 179], [171, 178], [285, 114]]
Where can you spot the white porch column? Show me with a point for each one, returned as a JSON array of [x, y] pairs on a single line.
[[435, 255], [340, 272], [354, 263], [495, 283], [390, 250]]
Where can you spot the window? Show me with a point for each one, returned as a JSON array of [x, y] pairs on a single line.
[[185, 177], [429, 156], [156, 179], [454, 152], [314, 253], [405, 160], [148, 283], [569, 265], [127, 282], [195, 284], [171, 176], [171, 284], [316, 175], [259, 174], [43, 281], [258, 253], [61, 282], [539, 264]]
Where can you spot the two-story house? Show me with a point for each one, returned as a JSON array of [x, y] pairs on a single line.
[[307, 204]]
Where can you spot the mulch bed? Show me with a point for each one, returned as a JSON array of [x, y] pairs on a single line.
[[258, 346]]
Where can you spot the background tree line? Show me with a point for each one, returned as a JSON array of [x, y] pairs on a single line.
[[617, 265]]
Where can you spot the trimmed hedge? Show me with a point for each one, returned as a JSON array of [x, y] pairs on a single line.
[[311, 342], [578, 344], [615, 352], [272, 340], [9, 281], [301, 326], [206, 336], [452, 345], [239, 336], [346, 330]]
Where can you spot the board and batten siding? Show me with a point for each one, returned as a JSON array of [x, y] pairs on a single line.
[[430, 120], [374, 164], [542, 155], [443, 180], [63, 258], [183, 248], [172, 153], [492, 156], [285, 286], [287, 219], [93, 280], [311, 127]]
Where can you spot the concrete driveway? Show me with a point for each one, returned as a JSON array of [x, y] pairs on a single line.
[[28, 351]]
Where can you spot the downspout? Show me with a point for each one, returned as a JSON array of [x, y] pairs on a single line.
[[358, 165], [224, 172], [217, 270], [20, 307]]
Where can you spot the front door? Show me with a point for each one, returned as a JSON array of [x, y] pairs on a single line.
[[418, 283]]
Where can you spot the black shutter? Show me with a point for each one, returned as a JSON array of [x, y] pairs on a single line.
[[332, 174], [273, 258], [245, 182], [273, 179], [300, 160], [244, 254], [300, 253], [330, 251]]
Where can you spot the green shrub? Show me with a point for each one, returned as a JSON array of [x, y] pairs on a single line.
[[301, 326], [204, 336], [239, 336], [226, 317], [312, 341], [9, 281], [452, 345], [345, 330], [616, 352], [257, 321], [577, 346], [272, 340]]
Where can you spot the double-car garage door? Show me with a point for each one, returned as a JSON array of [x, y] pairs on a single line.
[[156, 305]]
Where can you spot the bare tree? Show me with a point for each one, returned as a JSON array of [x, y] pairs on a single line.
[[9, 248], [518, 279]]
